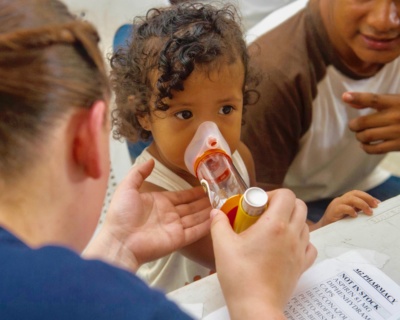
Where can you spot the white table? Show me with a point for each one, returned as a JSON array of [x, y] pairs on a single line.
[[379, 233]]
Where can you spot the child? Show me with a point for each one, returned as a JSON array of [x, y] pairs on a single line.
[[187, 64]]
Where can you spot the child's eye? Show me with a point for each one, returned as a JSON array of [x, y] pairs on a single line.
[[226, 110], [184, 115]]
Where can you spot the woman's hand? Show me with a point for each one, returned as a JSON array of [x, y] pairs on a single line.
[[259, 268], [140, 227]]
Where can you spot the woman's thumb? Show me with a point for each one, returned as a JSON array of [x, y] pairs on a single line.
[[220, 226]]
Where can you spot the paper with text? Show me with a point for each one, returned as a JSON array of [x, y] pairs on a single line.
[[341, 288], [335, 289]]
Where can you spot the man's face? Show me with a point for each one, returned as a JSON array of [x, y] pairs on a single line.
[[366, 33]]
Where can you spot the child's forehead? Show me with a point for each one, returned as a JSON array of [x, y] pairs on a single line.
[[222, 79], [210, 69]]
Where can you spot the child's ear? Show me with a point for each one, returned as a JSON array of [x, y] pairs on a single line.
[[145, 122]]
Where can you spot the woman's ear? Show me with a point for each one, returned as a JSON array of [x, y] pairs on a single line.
[[91, 139], [145, 122]]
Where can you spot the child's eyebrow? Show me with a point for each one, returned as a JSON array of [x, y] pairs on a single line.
[[182, 104], [230, 99], [176, 104]]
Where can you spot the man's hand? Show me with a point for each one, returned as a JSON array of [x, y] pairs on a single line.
[[140, 227], [378, 132]]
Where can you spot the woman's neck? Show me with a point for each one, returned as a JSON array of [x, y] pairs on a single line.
[[24, 210]]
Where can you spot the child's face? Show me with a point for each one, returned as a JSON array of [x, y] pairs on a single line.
[[207, 96]]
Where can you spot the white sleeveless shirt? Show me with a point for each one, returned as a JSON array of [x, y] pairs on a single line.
[[175, 270]]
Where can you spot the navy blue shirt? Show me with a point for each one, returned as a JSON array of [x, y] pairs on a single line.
[[56, 283]]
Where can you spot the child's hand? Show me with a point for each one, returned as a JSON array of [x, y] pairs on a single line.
[[348, 204]]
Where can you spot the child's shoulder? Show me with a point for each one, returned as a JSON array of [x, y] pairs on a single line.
[[161, 178]]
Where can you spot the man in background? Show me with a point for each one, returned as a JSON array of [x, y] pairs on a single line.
[[329, 107]]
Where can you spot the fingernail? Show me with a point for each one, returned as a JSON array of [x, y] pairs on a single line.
[[348, 96]]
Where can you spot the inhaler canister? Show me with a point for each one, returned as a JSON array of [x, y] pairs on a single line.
[[251, 205]]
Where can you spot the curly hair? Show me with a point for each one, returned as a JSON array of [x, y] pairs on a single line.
[[170, 42]]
